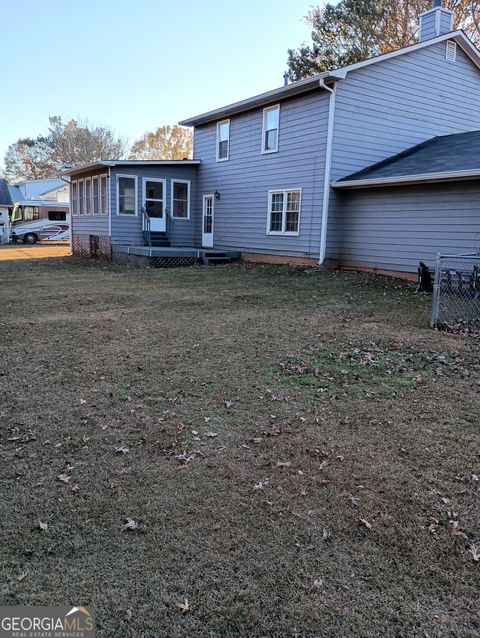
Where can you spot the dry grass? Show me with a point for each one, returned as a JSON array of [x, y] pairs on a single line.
[[332, 403]]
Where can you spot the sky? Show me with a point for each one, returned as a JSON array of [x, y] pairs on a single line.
[[138, 64]]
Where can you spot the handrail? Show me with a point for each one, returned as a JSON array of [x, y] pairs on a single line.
[[147, 227]]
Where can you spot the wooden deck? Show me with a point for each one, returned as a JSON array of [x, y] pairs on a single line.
[[175, 251]]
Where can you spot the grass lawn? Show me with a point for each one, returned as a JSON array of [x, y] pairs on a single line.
[[296, 454]]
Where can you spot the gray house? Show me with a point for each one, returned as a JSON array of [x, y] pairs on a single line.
[[375, 165]]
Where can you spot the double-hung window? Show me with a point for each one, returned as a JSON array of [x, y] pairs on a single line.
[[284, 212], [223, 140], [126, 195], [271, 123], [180, 199]]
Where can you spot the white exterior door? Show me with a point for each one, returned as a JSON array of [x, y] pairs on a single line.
[[207, 221], [155, 199]]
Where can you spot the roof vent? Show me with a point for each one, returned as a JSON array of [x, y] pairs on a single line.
[[451, 53]]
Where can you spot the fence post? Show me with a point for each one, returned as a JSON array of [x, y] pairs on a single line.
[[436, 292]]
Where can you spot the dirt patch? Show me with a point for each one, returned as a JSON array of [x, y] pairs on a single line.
[[243, 451], [17, 252]]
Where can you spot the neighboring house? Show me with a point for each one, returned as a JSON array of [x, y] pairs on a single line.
[[302, 173], [53, 190], [5, 209]]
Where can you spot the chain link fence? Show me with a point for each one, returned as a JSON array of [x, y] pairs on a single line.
[[456, 294]]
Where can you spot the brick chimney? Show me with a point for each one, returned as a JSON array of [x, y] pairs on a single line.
[[437, 21]]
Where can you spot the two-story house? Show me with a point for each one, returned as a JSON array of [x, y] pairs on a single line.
[[375, 165]]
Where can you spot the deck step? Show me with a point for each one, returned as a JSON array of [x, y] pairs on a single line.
[[218, 257]]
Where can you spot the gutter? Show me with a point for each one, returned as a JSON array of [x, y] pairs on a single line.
[[423, 178], [328, 169]]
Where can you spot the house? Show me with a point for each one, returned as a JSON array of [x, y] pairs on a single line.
[[52, 190], [374, 165]]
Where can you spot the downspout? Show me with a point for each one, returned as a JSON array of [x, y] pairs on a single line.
[[328, 169]]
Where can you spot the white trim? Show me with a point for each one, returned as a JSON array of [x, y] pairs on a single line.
[[109, 208], [274, 107], [95, 178], [74, 200], [179, 181], [135, 177], [85, 201], [328, 170], [219, 124], [212, 197], [408, 179], [153, 199], [81, 181], [107, 193], [283, 232]]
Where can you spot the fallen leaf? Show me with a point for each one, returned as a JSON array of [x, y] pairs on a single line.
[[354, 500], [228, 404], [128, 614], [284, 464], [185, 607], [63, 477], [211, 435], [475, 552], [317, 583], [365, 522], [42, 526], [21, 576], [457, 530], [82, 401], [121, 450], [132, 524]]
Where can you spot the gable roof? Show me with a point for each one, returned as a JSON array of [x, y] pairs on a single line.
[[5, 199], [309, 84], [448, 157], [35, 188]]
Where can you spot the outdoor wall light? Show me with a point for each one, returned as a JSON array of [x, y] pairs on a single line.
[[216, 194]]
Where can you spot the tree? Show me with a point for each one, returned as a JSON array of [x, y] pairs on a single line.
[[166, 143], [66, 143], [354, 30]]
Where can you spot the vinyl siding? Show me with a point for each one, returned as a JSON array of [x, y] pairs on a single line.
[[89, 224], [389, 107], [244, 180], [395, 228], [127, 230]]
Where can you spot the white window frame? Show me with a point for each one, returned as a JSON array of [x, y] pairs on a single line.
[[275, 107], [95, 179], [283, 232], [87, 201], [81, 200], [180, 181], [74, 200], [107, 194], [135, 177], [163, 200], [219, 124]]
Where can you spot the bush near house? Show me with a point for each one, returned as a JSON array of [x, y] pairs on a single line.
[[242, 451]]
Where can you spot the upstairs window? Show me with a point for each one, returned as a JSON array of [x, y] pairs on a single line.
[[127, 195], [271, 121], [180, 199], [284, 212], [223, 140]]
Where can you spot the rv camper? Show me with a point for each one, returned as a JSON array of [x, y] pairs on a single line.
[[40, 220]]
